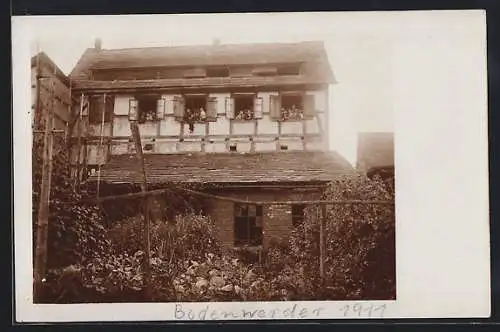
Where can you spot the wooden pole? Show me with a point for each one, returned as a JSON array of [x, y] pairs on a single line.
[[174, 187], [134, 128], [100, 144], [40, 264], [322, 249]]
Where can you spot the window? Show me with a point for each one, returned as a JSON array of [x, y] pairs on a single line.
[[247, 225], [292, 107], [195, 73], [98, 105], [284, 147], [243, 107], [147, 108], [241, 71], [196, 110], [217, 72], [285, 70], [298, 214], [232, 148], [265, 71]]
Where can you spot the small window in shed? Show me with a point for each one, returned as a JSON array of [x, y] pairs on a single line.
[[248, 225], [298, 214]]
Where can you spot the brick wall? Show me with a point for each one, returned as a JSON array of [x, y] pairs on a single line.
[[277, 219]]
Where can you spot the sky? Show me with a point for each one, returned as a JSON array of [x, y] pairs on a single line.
[[358, 45]]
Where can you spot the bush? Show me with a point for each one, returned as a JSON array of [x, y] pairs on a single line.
[[76, 231], [359, 240]]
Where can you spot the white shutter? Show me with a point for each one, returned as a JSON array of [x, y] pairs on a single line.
[[212, 109], [229, 108], [160, 109], [178, 108], [133, 114], [257, 108]]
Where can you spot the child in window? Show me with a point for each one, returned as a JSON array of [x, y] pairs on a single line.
[[203, 114]]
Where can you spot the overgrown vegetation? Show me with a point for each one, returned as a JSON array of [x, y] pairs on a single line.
[[93, 262]]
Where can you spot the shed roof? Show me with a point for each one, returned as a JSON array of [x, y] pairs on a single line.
[[227, 168]]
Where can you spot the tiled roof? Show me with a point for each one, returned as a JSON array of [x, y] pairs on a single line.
[[375, 149], [209, 82], [264, 167], [202, 55]]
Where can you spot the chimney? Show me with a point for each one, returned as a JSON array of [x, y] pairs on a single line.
[[98, 44], [216, 42]]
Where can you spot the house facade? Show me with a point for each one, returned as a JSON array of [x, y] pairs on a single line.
[[251, 119]]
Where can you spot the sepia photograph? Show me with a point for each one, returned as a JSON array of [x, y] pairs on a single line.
[[239, 158]]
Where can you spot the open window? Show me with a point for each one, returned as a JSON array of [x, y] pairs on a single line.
[[149, 108], [195, 108], [292, 107], [298, 214], [248, 225], [101, 109], [244, 107]]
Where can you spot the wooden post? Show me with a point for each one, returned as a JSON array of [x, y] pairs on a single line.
[[40, 264], [134, 128], [100, 145], [322, 249]]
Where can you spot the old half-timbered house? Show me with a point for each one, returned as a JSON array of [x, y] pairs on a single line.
[[251, 119]]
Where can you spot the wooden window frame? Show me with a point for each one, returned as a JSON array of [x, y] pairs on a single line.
[[186, 96], [254, 228], [156, 97], [234, 96], [108, 111], [298, 218], [302, 95]]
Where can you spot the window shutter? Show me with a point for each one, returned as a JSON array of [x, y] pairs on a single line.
[[309, 107], [178, 108], [275, 106], [85, 105], [212, 109], [133, 114], [96, 108], [160, 109], [110, 108], [229, 108], [257, 108]]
